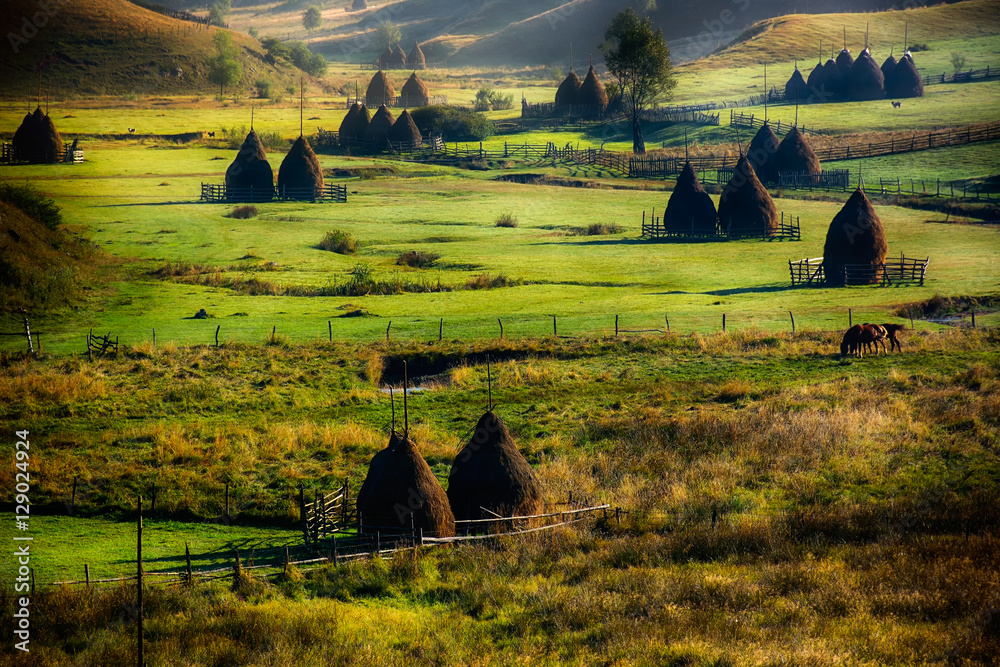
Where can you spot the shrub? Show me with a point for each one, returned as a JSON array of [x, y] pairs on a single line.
[[919, 47], [244, 212], [36, 205], [604, 229], [339, 241], [501, 102], [233, 137], [417, 259], [487, 281], [263, 87], [507, 220], [453, 123], [487, 98]]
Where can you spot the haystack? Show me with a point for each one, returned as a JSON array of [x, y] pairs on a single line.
[[416, 58], [404, 131], [817, 79], [358, 5], [865, 81], [353, 127], [299, 175], [398, 60], [745, 206], [378, 129], [844, 63], [591, 96], [568, 90], [855, 238], [490, 476], [795, 156], [795, 87], [689, 208], [887, 68], [37, 140], [833, 81], [761, 152], [380, 90], [400, 491], [905, 80], [415, 92], [385, 59], [250, 177]]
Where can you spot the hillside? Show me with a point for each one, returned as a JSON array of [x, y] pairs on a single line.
[[98, 47]]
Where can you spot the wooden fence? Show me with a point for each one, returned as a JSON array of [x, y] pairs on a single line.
[[330, 192], [915, 142], [593, 115], [753, 122], [961, 77], [101, 345], [654, 228], [893, 271], [27, 334], [327, 514], [398, 101], [829, 179], [330, 139], [9, 156]]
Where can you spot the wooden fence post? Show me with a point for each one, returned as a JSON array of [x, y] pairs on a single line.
[[850, 319], [387, 331], [138, 560], [27, 333], [86, 574], [217, 335], [154, 339], [329, 326], [303, 515], [793, 320], [187, 559], [555, 331], [501, 328], [973, 319], [440, 329], [723, 323], [667, 320], [616, 326]]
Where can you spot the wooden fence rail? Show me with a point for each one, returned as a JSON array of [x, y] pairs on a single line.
[[330, 192], [893, 271], [753, 122], [655, 228]]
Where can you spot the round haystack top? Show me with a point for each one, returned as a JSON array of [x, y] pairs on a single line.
[[817, 78], [887, 68], [400, 491], [299, 175], [844, 62], [795, 156], [761, 153], [833, 79], [568, 90], [385, 58], [250, 177], [377, 132], [353, 127], [490, 476], [398, 59], [795, 87], [856, 247], [591, 94], [37, 140], [415, 92], [689, 208], [379, 90], [865, 81], [404, 131], [416, 58], [905, 80], [745, 207]]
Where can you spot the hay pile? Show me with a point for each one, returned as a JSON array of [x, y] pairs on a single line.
[[844, 63], [490, 476], [817, 79], [385, 59], [379, 90], [404, 131], [299, 175], [37, 140], [416, 58], [353, 127], [761, 152], [833, 80], [250, 177], [568, 90], [415, 92], [689, 208], [591, 96], [856, 237], [400, 485], [866, 81], [795, 156], [745, 206], [905, 80], [377, 133], [887, 68], [398, 60], [796, 88]]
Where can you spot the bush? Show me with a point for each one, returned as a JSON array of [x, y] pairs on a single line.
[[244, 212], [597, 229], [487, 281], [339, 242], [919, 47], [36, 205], [453, 123], [487, 99], [507, 220], [232, 137], [263, 87], [417, 259]]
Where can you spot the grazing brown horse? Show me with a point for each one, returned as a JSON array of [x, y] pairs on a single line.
[[857, 338], [879, 334], [891, 331]]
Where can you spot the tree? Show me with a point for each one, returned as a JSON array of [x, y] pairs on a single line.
[[223, 68], [638, 57], [957, 61], [218, 12], [387, 35], [312, 19]]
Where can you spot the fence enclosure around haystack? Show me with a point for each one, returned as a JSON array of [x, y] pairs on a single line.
[[330, 139], [399, 102], [894, 271], [9, 156], [330, 192], [655, 229], [596, 115], [751, 121]]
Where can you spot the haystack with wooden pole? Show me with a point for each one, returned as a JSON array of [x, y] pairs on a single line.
[[414, 92], [385, 58], [415, 59], [856, 247], [353, 127], [377, 133], [591, 97], [796, 156], [404, 132], [250, 177], [568, 91], [380, 90], [690, 209], [905, 80], [37, 140], [300, 176], [833, 80], [817, 77], [844, 59], [745, 207], [490, 477], [866, 81], [761, 152], [796, 87], [398, 60], [887, 68]]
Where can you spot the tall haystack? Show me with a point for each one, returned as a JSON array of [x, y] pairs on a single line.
[[400, 491], [568, 90], [404, 131], [796, 88], [299, 175], [856, 239], [353, 127], [378, 129], [380, 90], [865, 81], [358, 5], [887, 68], [795, 156], [833, 81], [416, 58], [415, 92], [490, 476], [385, 58], [250, 177], [398, 60], [905, 80], [37, 140], [761, 153], [591, 96], [745, 206], [844, 63], [689, 208], [817, 80]]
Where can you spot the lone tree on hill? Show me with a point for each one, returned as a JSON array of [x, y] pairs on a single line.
[[223, 68], [387, 35], [638, 57], [312, 19]]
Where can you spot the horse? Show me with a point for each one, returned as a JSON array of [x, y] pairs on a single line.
[[891, 331], [852, 341], [879, 334]]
